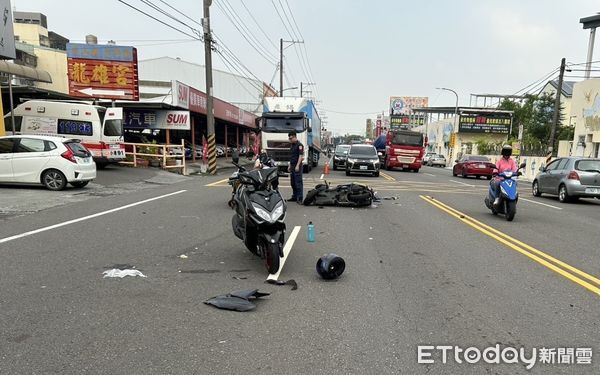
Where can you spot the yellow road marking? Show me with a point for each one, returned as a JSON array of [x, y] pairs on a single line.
[[522, 248], [387, 176], [217, 182]]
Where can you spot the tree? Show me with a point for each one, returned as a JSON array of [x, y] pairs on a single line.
[[536, 113]]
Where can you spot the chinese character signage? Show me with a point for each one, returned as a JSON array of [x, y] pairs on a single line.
[[403, 122], [493, 123], [7, 35], [156, 119], [102, 72], [404, 105]]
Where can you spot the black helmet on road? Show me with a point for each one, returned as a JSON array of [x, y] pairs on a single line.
[[330, 266], [506, 150]]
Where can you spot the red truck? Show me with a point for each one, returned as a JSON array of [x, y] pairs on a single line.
[[403, 149]]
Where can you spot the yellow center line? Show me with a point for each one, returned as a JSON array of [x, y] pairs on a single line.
[[522, 248], [217, 182], [387, 176]]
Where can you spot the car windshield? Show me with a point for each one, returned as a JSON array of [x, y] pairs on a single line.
[[477, 158], [339, 150], [362, 151], [408, 139], [588, 165]]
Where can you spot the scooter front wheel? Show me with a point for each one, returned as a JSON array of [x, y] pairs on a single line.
[[511, 210], [271, 251]]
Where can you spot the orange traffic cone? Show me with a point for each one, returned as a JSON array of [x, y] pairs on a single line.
[[326, 169]]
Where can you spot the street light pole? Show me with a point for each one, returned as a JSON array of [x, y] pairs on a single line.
[[281, 41], [455, 120]]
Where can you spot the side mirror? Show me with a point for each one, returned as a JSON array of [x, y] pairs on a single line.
[[456, 161], [380, 153], [523, 165], [235, 156], [542, 169]]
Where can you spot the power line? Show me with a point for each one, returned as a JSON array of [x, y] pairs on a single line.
[[158, 20], [257, 46], [352, 113], [169, 15]]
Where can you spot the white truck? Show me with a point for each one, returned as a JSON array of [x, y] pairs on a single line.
[[282, 115]]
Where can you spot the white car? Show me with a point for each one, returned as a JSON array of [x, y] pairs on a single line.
[[51, 161]]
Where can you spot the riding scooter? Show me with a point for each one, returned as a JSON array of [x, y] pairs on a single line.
[[260, 210], [509, 194]]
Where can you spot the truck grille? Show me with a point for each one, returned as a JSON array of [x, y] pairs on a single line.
[[278, 154]]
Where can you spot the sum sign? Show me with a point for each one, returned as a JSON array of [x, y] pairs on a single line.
[[173, 118]]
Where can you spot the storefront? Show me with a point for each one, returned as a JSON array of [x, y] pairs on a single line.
[[182, 115]]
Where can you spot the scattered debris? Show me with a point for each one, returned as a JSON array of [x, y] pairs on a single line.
[[222, 262], [120, 266], [321, 207], [370, 238], [183, 256], [292, 283], [330, 266], [222, 341], [199, 271], [236, 301], [392, 198], [239, 278], [115, 272]]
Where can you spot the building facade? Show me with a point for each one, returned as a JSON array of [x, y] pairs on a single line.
[[585, 114]]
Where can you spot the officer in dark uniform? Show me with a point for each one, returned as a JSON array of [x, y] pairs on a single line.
[[295, 168]]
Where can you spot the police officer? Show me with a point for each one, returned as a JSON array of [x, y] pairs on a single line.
[[295, 168]]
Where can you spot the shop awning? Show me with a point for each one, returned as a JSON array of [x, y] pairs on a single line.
[[25, 72]]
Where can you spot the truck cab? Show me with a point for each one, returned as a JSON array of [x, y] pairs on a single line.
[[404, 149], [282, 115]]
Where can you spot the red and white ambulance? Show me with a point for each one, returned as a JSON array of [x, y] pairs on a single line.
[[99, 129]]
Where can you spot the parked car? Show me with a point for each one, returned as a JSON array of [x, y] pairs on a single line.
[[569, 178], [474, 165], [362, 159], [339, 156], [436, 160], [427, 156], [51, 161]]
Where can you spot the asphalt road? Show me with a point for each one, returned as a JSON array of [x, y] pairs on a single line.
[[420, 271]]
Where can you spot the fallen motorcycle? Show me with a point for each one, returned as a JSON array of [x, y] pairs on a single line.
[[346, 195]]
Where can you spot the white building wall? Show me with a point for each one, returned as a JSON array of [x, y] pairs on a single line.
[[586, 117], [565, 103], [234, 89]]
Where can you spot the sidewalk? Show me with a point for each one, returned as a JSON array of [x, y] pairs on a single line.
[[223, 164]]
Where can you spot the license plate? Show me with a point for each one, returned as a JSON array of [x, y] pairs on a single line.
[[363, 167], [481, 166], [115, 146], [404, 166], [592, 191]]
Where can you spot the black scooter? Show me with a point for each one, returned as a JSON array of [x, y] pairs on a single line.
[[259, 214]]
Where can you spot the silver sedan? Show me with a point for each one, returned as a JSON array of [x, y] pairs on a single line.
[[569, 178]]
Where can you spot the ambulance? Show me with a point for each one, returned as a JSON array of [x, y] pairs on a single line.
[[99, 129]]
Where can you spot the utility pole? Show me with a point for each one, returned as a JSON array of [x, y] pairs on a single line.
[[210, 116], [281, 67], [301, 89], [556, 116]]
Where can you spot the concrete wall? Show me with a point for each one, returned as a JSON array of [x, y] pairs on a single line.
[[586, 117], [237, 90], [29, 33], [54, 62]]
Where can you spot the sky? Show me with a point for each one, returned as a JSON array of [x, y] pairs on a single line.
[[358, 53]]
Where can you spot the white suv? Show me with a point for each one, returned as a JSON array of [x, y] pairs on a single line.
[[50, 161]]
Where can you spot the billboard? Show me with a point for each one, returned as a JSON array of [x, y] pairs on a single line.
[[156, 119], [403, 105], [190, 98], [7, 35], [404, 122], [102, 71], [491, 123]]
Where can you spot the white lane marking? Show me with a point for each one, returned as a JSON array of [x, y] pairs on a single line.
[[44, 229], [541, 204], [322, 174], [429, 174], [287, 248], [462, 183]]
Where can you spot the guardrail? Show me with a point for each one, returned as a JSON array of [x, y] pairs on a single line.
[[163, 154]]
